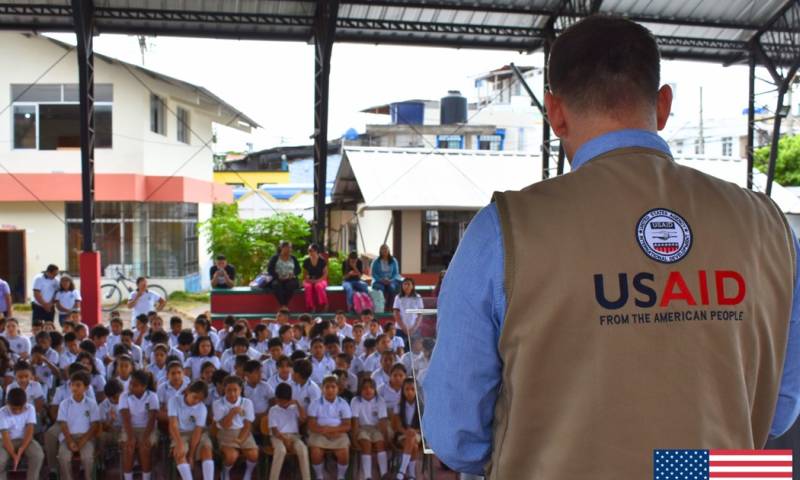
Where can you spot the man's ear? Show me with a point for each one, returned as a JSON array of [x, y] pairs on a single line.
[[555, 114], [663, 106]]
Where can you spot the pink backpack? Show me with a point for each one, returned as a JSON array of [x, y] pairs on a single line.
[[362, 301]]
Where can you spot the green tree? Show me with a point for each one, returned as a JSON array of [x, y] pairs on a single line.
[[787, 165], [249, 243]]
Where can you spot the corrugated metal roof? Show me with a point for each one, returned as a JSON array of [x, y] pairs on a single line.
[[715, 30]]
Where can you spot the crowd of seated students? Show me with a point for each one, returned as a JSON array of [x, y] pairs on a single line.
[[307, 388]]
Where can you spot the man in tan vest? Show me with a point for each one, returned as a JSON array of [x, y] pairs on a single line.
[[630, 305]]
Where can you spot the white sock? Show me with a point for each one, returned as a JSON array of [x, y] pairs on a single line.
[[403, 465], [383, 463], [318, 471], [366, 465], [128, 476], [248, 473], [185, 470], [145, 476], [341, 471], [412, 469], [226, 471], [208, 469]]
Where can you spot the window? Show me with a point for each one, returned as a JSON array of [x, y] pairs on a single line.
[[679, 146], [698, 147], [25, 126], [490, 142], [158, 122], [47, 117], [152, 239], [727, 146], [450, 141], [442, 231], [184, 134]]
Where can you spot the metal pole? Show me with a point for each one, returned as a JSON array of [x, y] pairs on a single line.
[[545, 121], [83, 12], [324, 30], [751, 120], [776, 136], [561, 155]]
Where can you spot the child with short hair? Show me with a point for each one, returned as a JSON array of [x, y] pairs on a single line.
[[23, 379], [321, 364], [216, 387], [134, 350], [261, 342], [234, 416], [269, 367], [287, 338], [158, 367], [138, 408], [300, 338], [17, 422], [281, 319], [328, 423], [396, 343], [115, 336], [175, 384], [187, 422], [175, 328], [111, 421], [371, 358], [283, 374], [343, 362], [98, 381], [304, 390], [405, 422], [392, 390], [79, 418], [256, 389], [17, 344], [349, 349], [382, 374], [370, 427], [345, 329], [122, 369], [285, 419]]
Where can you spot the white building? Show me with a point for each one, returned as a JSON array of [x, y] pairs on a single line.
[[153, 172]]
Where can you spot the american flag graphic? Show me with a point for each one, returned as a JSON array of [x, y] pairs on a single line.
[[711, 464]]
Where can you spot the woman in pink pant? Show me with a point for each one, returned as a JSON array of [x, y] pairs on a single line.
[[316, 280]]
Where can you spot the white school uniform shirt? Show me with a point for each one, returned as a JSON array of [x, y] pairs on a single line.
[[306, 394], [273, 329], [159, 373], [352, 382], [260, 395], [321, 369], [147, 304], [98, 382], [19, 344], [269, 368], [174, 352], [372, 362], [303, 344], [46, 286], [330, 414], [356, 365], [221, 408], [139, 407], [415, 362], [380, 377], [368, 412], [409, 303], [34, 390], [397, 342], [262, 348], [286, 420], [68, 298], [390, 396], [66, 359], [136, 354], [15, 425], [43, 372], [63, 392], [189, 417], [173, 340], [276, 380], [111, 342], [346, 330], [195, 364], [106, 409], [79, 416], [166, 392]]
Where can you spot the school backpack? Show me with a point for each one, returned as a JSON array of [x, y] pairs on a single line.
[[378, 300], [362, 301]]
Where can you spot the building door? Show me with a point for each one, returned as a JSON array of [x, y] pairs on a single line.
[[12, 262]]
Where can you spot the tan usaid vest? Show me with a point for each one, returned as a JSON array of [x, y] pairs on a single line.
[[609, 353]]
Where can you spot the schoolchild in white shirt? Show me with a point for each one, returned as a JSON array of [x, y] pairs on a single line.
[[270, 366], [234, 416], [110, 419], [175, 384], [329, 423], [17, 422], [285, 419], [283, 373], [304, 390], [138, 408], [257, 390], [370, 427], [322, 364], [23, 378], [79, 418], [187, 422]]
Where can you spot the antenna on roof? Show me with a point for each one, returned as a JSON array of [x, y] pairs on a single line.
[[142, 45]]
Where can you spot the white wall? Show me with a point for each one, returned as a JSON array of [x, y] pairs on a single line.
[[411, 261], [45, 235], [135, 149], [373, 225]]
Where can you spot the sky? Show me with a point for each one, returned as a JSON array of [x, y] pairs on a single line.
[[272, 82]]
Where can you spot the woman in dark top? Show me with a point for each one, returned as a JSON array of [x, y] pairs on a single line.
[[315, 280], [284, 268], [352, 270]]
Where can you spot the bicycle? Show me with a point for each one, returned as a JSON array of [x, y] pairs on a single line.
[[111, 295]]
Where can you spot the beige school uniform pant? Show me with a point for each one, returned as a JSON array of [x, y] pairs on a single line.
[[33, 454], [65, 459], [279, 455]]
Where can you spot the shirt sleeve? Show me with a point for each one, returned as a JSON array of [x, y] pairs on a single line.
[[249, 410], [345, 411], [38, 283], [30, 415], [154, 403], [460, 395], [788, 406], [312, 408], [218, 410], [171, 410], [123, 402], [94, 412]]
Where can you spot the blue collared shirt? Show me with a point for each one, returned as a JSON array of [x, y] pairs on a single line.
[[460, 395]]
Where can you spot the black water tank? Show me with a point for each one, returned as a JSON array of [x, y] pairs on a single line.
[[453, 108]]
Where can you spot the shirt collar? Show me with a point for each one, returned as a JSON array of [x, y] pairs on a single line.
[[616, 140]]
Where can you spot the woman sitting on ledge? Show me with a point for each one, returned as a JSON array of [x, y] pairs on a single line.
[[315, 280], [284, 268]]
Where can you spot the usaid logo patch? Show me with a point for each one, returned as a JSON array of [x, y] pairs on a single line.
[[664, 235]]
